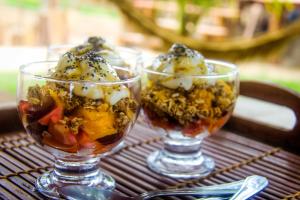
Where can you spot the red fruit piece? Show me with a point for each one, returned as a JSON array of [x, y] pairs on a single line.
[[194, 129], [62, 133], [54, 116], [154, 119], [85, 141], [23, 106]]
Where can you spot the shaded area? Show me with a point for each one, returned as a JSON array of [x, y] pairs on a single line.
[[233, 49]]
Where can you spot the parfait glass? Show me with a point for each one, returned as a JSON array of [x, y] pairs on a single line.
[[186, 117], [54, 52], [76, 130]]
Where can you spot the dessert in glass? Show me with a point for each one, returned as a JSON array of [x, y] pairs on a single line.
[[113, 55], [186, 97], [78, 109], [99, 45]]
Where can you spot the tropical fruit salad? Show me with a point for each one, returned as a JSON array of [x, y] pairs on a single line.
[[84, 107], [184, 92]]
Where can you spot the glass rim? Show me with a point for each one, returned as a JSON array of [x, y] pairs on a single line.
[[234, 70], [23, 68]]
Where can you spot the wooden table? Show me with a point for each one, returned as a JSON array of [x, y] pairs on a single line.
[[22, 161]]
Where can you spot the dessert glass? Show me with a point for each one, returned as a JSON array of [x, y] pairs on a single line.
[[185, 118], [76, 130], [54, 52]]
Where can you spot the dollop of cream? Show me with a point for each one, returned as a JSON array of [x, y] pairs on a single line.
[[181, 63], [83, 64], [101, 47]]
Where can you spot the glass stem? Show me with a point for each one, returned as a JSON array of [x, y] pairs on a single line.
[[79, 172], [181, 157], [74, 172], [176, 143]]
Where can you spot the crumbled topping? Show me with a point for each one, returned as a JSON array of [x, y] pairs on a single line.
[[201, 102]]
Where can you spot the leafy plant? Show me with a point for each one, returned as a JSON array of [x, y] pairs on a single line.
[[206, 3], [183, 16], [277, 7], [27, 4]]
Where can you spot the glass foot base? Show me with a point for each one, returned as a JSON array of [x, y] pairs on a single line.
[[185, 166], [47, 184]]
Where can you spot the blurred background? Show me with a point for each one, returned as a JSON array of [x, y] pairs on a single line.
[[261, 36]]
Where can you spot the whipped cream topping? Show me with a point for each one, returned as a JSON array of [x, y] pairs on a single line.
[[102, 48], [82, 64], [180, 61]]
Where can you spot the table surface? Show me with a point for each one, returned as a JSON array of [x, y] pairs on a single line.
[[22, 161]]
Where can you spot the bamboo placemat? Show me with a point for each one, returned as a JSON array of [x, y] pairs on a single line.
[[22, 161]]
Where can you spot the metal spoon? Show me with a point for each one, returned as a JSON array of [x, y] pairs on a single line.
[[78, 192], [250, 187]]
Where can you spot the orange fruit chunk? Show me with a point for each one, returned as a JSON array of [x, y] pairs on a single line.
[[97, 124]]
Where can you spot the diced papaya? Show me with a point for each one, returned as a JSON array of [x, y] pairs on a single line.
[[85, 141], [53, 116], [193, 129], [23, 106], [61, 133], [97, 124]]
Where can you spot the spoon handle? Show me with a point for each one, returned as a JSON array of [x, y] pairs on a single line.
[[250, 187], [226, 189]]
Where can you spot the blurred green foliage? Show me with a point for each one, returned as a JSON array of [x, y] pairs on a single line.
[[291, 84], [86, 7], [205, 3], [8, 82], [277, 7], [90, 9], [27, 4], [294, 85], [184, 18]]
